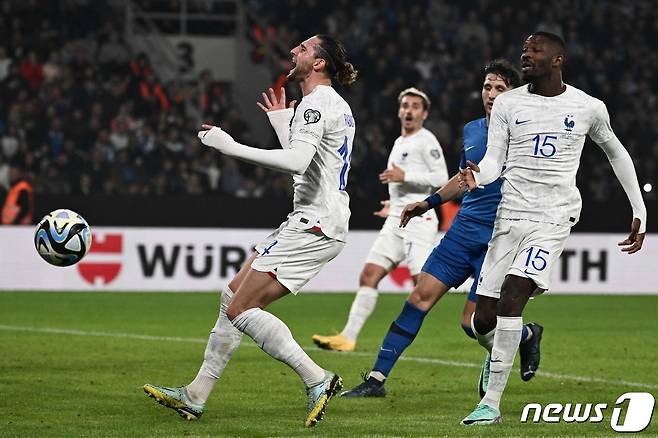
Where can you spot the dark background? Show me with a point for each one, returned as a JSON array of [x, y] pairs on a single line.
[[100, 132]]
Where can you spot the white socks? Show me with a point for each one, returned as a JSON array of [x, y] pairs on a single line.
[[362, 307], [224, 339], [377, 376], [274, 337], [486, 340], [506, 342]]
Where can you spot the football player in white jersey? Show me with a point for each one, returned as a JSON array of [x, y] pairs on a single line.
[[416, 166], [316, 148], [535, 139]]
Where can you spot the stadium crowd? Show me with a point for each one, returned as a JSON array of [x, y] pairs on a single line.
[[81, 114]]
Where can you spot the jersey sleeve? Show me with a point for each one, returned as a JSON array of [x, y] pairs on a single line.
[[491, 166], [436, 174], [309, 121], [600, 130]]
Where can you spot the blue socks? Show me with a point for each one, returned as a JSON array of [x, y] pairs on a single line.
[[469, 331], [400, 335]]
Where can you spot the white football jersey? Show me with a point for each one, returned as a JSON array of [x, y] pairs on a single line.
[[421, 158], [543, 138], [324, 120]]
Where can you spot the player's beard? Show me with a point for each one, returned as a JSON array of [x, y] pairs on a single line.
[[298, 73]]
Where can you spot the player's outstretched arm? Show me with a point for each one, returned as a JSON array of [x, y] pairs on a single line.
[[601, 132], [293, 161], [622, 165]]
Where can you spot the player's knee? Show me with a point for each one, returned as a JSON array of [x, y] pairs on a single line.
[[369, 277], [511, 303], [423, 298], [484, 321], [515, 293]]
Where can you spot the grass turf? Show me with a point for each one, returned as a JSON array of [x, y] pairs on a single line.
[[72, 364]]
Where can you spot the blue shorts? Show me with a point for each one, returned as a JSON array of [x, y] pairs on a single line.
[[460, 254]]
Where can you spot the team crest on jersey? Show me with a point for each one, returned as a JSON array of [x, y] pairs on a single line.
[[569, 123], [405, 155], [311, 116]]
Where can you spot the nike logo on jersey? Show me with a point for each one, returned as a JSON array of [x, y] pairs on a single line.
[[521, 122], [469, 148]]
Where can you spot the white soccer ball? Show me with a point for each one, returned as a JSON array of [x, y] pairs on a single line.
[[62, 238]]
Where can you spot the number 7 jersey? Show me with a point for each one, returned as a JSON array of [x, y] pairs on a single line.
[[543, 138], [324, 120]]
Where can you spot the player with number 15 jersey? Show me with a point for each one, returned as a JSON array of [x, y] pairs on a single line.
[[539, 140]]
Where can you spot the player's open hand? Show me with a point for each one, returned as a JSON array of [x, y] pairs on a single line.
[[272, 103], [634, 242], [394, 174], [412, 210], [386, 206], [466, 177]]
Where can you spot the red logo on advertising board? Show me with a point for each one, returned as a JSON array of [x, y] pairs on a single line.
[[400, 275], [105, 272]]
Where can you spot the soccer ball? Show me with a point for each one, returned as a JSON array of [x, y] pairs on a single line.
[[62, 238]]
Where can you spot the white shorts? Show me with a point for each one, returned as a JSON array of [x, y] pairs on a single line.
[[294, 256], [523, 248], [414, 243]]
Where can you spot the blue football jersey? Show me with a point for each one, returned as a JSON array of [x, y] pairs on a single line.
[[481, 204]]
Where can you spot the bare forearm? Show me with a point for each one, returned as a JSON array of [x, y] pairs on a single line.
[[451, 189]]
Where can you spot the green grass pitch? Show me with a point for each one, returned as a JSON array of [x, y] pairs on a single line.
[[73, 364]]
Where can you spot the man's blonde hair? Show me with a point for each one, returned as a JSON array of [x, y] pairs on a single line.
[[413, 91]]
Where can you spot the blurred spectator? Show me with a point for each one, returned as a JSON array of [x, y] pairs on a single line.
[[5, 62], [99, 119], [32, 71], [18, 206]]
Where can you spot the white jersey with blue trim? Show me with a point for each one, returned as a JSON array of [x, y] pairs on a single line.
[[543, 138], [421, 158], [324, 120]]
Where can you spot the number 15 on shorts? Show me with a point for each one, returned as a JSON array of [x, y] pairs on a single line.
[[536, 260]]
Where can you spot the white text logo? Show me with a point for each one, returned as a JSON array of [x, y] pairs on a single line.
[[634, 417]]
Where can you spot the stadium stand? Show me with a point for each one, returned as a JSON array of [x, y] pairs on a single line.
[[87, 116]]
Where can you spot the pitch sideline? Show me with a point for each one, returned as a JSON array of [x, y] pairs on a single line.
[[429, 360]]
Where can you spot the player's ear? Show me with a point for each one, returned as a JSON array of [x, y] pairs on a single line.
[[319, 64], [558, 60]]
